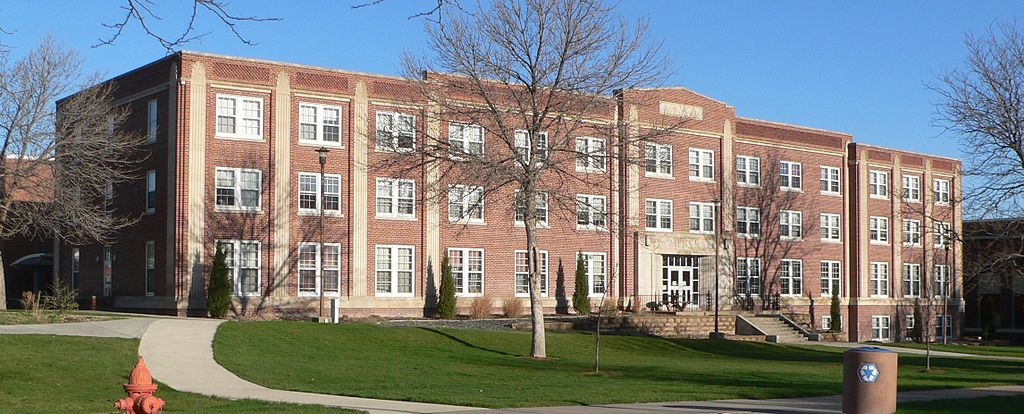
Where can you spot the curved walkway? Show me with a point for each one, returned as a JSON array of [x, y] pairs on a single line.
[[179, 352], [117, 328]]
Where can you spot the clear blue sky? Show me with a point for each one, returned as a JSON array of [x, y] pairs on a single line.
[[858, 67]]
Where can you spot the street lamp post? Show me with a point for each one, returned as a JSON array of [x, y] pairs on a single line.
[[718, 241], [945, 288], [322, 153]]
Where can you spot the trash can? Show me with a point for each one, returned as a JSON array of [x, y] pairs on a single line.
[[869, 380]]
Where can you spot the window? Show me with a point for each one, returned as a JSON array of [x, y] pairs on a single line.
[[466, 203], [309, 193], [880, 328], [590, 154], [242, 258], [941, 189], [878, 184], [394, 271], [702, 218], [910, 326], [522, 270], [748, 276], [659, 215], [465, 139], [826, 322], [396, 197], [702, 165], [748, 171], [658, 159], [830, 272], [542, 209], [911, 280], [597, 273], [829, 180], [790, 225], [395, 131], [150, 268], [748, 221], [590, 211], [792, 277], [319, 124], [239, 117], [941, 233], [944, 323], [911, 188], [238, 189], [525, 146], [830, 227], [151, 121], [468, 270], [879, 279], [150, 191], [940, 273], [790, 175], [911, 232], [879, 229], [316, 273], [76, 263]]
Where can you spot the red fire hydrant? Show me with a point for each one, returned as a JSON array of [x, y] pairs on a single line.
[[140, 389]]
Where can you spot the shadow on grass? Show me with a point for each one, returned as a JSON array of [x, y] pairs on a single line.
[[467, 344]]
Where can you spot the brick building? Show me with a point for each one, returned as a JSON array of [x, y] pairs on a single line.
[[232, 163]]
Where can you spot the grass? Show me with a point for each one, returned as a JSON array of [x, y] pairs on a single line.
[[994, 350], [489, 369], [983, 405], [24, 317], [50, 374]]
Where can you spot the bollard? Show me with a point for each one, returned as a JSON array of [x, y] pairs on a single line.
[[140, 389], [869, 380]]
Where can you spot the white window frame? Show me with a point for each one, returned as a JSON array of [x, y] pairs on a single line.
[[941, 234], [318, 269], [461, 271], [702, 218], [543, 257], [238, 117], [881, 328], [830, 177], [395, 198], [788, 179], [586, 204], [826, 322], [911, 280], [941, 191], [791, 277], [589, 258], [745, 277], [316, 194], [235, 265], [911, 189], [393, 271], [389, 135], [831, 228], [524, 146], [150, 268], [787, 225], [831, 278], [660, 214], [701, 165], [591, 155], [660, 157], [152, 121], [542, 205], [940, 277], [748, 171], [320, 124], [746, 219], [151, 192], [911, 233], [878, 184], [940, 326], [878, 229], [878, 284], [76, 266], [461, 196], [459, 141], [236, 190]]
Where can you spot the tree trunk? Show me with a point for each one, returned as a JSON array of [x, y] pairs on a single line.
[[539, 347], [3, 284]]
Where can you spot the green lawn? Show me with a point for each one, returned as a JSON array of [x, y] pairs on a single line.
[[489, 369], [996, 350], [23, 317], [984, 405], [51, 374]]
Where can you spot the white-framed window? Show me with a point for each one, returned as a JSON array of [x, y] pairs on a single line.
[[940, 274], [702, 164], [465, 139], [243, 258], [878, 184], [591, 211], [941, 191], [831, 272], [880, 328], [525, 146], [910, 323], [879, 279], [702, 218], [911, 232], [791, 225], [790, 175], [748, 276], [658, 214], [394, 270], [396, 198], [468, 271], [316, 272], [238, 189], [542, 209], [395, 131], [590, 154], [792, 277], [239, 117], [944, 321], [152, 121], [150, 191], [466, 203], [830, 227], [658, 160], [76, 266], [597, 272], [522, 271], [748, 171], [319, 124], [940, 233], [826, 322], [879, 228], [911, 188], [150, 268], [748, 221], [911, 280], [830, 180], [309, 193]]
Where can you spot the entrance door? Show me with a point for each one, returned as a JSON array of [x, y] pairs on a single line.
[[679, 282]]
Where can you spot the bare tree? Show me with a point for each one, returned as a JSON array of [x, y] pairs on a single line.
[[146, 14], [533, 76], [58, 162]]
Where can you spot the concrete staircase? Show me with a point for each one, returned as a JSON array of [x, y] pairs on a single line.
[[778, 330]]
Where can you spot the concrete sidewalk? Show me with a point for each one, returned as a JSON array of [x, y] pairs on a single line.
[[914, 351], [117, 328]]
